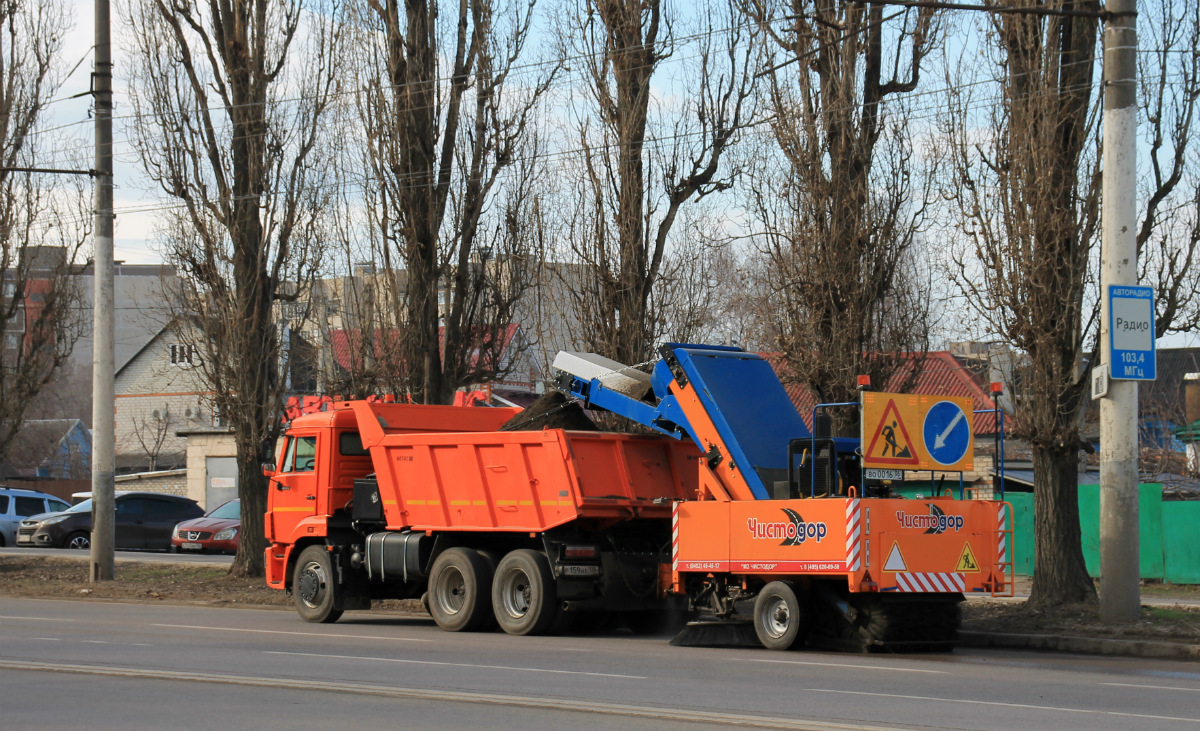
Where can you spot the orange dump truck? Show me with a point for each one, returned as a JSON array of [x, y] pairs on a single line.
[[532, 523], [734, 511]]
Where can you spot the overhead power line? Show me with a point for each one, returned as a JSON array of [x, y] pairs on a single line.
[[1004, 9]]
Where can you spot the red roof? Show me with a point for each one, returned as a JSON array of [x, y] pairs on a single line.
[[941, 375]]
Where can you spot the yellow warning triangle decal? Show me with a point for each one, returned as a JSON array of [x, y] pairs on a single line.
[[967, 562], [895, 560]]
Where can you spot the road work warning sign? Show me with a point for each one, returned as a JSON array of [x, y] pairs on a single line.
[[890, 444], [918, 432], [966, 562]]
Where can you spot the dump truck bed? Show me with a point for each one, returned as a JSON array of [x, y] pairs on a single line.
[[524, 481]]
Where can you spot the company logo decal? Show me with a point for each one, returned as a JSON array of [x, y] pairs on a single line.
[[935, 523], [793, 533]]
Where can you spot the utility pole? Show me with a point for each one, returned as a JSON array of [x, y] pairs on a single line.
[[103, 359], [1120, 593]]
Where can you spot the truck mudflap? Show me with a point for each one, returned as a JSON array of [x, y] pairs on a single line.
[[275, 560]]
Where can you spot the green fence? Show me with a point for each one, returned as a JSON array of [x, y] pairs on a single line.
[[1168, 533]]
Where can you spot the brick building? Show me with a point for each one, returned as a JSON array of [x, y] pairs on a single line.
[[159, 392]]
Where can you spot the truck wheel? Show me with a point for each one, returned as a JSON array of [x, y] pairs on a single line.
[[459, 586], [778, 616], [524, 596], [315, 588]]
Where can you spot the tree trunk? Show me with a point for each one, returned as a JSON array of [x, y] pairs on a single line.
[[252, 490], [1060, 576]]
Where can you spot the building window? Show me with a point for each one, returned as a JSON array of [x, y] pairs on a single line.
[[183, 355]]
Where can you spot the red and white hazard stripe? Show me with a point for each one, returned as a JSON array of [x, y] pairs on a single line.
[[1002, 546], [853, 534], [931, 582], [675, 536]]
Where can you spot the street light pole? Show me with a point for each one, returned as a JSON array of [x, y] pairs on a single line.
[[1120, 592], [103, 359]]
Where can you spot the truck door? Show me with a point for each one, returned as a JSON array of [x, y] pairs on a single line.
[[294, 487]]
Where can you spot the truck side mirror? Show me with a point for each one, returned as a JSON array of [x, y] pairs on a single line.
[[268, 469]]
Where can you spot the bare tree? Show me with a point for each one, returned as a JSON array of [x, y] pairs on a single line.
[[838, 196], [228, 105], [1168, 240], [446, 118], [151, 434], [640, 164], [42, 225], [1028, 193]]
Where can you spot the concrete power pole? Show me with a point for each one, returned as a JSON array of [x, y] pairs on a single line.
[[1120, 593], [103, 360]]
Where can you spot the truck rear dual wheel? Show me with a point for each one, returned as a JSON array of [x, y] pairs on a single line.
[[524, 595], [317, 593], [778, 616], [460, 589]]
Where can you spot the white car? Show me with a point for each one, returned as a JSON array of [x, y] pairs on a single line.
[[17, 504]]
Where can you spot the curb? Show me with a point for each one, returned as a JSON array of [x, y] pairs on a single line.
[[1087, 645]]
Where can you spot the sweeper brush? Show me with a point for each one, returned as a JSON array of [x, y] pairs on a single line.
[[717, 633]]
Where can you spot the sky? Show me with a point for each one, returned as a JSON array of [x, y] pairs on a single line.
[[135, 197], [133, 231]]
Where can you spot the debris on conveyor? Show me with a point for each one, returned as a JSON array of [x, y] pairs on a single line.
[[552, 411]]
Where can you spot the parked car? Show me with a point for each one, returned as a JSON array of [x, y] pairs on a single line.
[[17, 504], [144, 520], [216, 532]]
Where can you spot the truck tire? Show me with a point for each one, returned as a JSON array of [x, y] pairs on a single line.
[[460, 587], [778, 616], [524, 596], [315, 587]]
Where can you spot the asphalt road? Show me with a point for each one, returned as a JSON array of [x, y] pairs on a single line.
[[85, 665], [155, 556]]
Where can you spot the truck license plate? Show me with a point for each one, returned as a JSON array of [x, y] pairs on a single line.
[[877, 474], [580, 570], [191, 546]]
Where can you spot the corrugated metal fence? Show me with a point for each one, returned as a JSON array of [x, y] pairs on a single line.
[[1170, 540]]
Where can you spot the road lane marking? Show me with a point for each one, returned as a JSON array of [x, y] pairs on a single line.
[[96, 642], [458, 665], [1153, 687], [684, 715], [47, 639], [41, 619], [847, 666], [1005, 705], [281, 632]]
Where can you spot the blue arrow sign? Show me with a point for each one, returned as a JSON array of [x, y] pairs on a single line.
[[947, 432]]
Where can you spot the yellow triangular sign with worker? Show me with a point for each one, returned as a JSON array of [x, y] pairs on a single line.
[[895, 560], [890, 443], [967, 562]]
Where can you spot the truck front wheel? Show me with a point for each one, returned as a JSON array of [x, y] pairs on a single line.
[[524, 596], [778, 617], [460, 585], [315, 587]]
